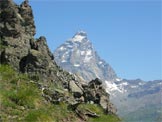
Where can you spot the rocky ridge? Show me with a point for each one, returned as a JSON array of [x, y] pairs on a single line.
[[78, 56], [32, 56]]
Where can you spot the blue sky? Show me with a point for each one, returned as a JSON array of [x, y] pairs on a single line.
[[125, 33]]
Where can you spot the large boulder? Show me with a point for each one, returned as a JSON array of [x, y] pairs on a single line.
[[27, 15], [95, 93], [39, 60]]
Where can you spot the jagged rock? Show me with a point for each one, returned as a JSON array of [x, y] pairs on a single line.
[[10, 24], [74, 88], [53, 96], [73, 106], [110, 109], [91, 113], [96, 82], [81, 114], [27, 15], [38, 61], [13, 33], [95, 93], [22, 51]]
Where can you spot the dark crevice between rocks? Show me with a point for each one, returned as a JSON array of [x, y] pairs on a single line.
[[22, 64], [2, 58]]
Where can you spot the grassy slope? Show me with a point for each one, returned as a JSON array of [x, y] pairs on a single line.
[[21, 101], [98, 110]]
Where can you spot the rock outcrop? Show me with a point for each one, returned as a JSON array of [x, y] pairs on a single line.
[[95, 93], [20, 49], [92, 93], [17, 29]]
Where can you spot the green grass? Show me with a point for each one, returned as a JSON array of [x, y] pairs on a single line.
[[105, 118], [21, 101], [98, 110]]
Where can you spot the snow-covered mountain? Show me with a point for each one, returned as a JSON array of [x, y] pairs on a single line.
[[137, 96], [77, 55]]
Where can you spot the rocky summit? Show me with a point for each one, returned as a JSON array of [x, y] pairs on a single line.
[[33, 87], [78, 56]]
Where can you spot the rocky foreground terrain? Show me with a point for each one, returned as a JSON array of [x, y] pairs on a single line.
[[33, 87]]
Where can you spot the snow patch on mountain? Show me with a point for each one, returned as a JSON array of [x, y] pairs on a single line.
[[77, 65], [78, 38], [133, 87], [89, 52], [87, 59], [62, 48], [118, 79], [82, 52], [100, 62], [124, 84], [63, 61], [110, 87], [140, 84], [69, 46]]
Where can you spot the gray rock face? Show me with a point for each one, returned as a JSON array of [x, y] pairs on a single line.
[[14, 35], [78, 56], [95, 93], [20, 49], [39, 60]]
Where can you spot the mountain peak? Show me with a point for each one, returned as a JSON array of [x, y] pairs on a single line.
[[79, 36], [81, 33], [78, 55]]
